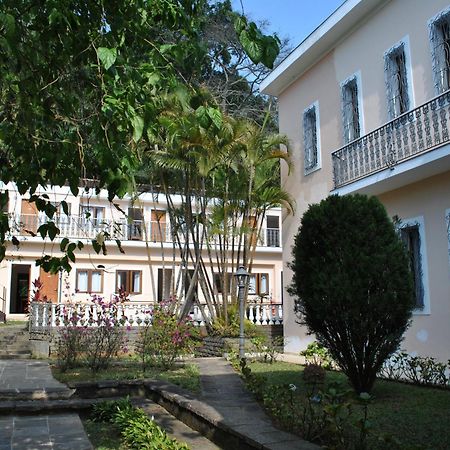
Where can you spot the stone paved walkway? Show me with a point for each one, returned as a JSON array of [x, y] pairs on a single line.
[[33, 380], [29, 379], [235, 408], [50, 432]]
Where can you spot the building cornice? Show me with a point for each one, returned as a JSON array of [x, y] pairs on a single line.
[[320, 42]]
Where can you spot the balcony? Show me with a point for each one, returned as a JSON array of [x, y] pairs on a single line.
[[79, 227], [393, 150]]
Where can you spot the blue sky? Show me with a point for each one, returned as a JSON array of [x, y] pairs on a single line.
[[295, 19]]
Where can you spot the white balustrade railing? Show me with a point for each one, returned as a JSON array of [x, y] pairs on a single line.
[[45, 316], [265, 313], [73, 226]]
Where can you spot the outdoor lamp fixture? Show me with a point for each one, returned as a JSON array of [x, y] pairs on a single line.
[[242, 279]]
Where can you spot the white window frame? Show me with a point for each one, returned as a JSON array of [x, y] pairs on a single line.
[[431, 31], [129, 281], [419, 221], [409, 76], [89, 273], [357, 77], [314, 106]]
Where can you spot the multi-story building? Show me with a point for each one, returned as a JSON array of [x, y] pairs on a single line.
[[365, 101], [150, 268]]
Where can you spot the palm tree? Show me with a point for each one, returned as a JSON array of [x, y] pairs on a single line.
[[226, 172]]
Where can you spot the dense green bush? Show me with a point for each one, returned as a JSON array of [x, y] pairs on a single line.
[[352, 283]]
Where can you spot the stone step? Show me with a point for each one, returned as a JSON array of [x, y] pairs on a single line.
[[15, 356], [17, 345], [33, 394], [19, 351]]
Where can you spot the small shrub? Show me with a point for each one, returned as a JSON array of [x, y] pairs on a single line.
[[317, 354], [230, 328], [394, 367], [266, 348], [102, 345], [69, 345], [314, 375], [166, 338], [106, 411], [95, 343], [425, 370], [419, 370]]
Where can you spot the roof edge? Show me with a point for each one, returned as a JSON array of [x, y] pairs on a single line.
[[319, 42]]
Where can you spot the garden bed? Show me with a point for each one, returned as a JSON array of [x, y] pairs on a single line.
[[184, 375], [404, 415]]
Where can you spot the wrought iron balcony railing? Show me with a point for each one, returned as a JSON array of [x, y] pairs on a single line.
[[415, 132]]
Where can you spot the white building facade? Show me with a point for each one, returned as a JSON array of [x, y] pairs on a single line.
[[150, 268]]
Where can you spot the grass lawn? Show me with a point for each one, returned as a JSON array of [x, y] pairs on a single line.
[[418, 417], [103, 436], [13, 323], [186, 375]]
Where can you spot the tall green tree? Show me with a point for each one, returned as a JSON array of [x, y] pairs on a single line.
[[352, 283], [80, 91]]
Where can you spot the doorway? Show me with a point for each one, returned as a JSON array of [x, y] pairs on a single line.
[[20, 288]]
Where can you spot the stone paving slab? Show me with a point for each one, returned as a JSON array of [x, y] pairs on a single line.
[[53, 432], [24, 379]]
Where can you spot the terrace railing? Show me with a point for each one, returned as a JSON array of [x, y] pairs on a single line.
[[73, 226], [413, 133], [46, 316]]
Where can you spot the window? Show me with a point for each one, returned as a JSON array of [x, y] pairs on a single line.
[[396, 81], [88, 280], [158, 225], [311, 140], [350, 110], [410, 235], [60, 209], [136, 222], [129, 281], [92, 214], [273, 231], [259, 284], [440, 51]]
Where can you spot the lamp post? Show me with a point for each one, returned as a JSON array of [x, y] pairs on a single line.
[[242, 277]]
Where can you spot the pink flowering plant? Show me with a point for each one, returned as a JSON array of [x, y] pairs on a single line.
[[166, 338], [95, 341]]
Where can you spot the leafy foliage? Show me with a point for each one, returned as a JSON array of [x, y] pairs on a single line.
[[326, 416], [352, 284], [166, 338], [138, 430], [95, 343], [422, 370], [83, 85], [317, 354]]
